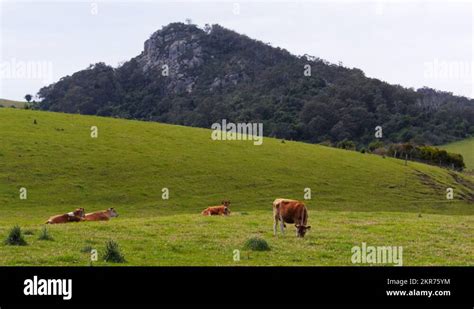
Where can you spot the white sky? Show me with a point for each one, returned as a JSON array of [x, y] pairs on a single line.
[[415, 44]]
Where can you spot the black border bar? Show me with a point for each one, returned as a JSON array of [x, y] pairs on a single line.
[[240, 285]]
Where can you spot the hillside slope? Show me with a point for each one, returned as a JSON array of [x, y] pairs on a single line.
[[131, 161], [354, 196], [10, 103]]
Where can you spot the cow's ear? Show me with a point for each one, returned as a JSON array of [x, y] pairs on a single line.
[[308, 227]]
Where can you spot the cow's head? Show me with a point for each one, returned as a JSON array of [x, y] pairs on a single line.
[[301, 230], [226, 211], [112, 212], [226, 203], [79, 212]]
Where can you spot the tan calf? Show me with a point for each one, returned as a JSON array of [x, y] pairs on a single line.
[[73, 216], [222, 210], [103, 215]]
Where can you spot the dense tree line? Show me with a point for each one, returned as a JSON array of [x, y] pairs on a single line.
[[244, 80]]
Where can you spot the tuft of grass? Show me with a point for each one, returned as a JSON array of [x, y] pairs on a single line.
[[256, 244], [44, 235], [15, 237], [113, 253], [28, 232]]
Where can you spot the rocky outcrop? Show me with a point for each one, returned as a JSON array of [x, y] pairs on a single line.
[[176, 50]]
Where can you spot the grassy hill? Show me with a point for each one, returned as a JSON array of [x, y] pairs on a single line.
[[355, 197], [10, 103], [464, 147]]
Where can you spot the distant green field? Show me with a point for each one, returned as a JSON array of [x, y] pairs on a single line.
[[10, 103], [464, 147], [355, 197]]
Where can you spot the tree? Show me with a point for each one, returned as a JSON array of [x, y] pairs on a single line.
[[28, 98]]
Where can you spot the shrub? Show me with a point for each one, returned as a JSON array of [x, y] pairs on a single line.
[[375, 144], [346, 144], [112, 253], [256, 244], [15, 237], [44, 235], [427, 154]]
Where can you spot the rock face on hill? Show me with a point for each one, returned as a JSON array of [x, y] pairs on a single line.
[[192, 76], [177, 50]]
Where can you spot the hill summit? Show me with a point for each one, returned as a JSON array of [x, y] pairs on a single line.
[[195, 77]]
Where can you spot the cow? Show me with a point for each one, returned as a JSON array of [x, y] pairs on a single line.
[[222, 210], [73, 216], [290, 211], [103, 215]]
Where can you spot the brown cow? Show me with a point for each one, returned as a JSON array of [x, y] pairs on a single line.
[[103, 215], [290, 211], [73, 216], [217, 210]]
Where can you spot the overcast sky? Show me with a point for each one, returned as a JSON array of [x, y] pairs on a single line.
[[414, 44]]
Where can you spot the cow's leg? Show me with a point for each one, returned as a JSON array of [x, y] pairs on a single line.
[[275, 221], [282, 226]]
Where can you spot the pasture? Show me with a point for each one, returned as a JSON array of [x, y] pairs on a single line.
[[355, 197], [464, 147], [11, 103]]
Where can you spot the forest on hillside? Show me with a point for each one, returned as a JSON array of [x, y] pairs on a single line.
[[216, 74]]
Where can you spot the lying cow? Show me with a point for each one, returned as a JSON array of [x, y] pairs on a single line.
[[222, 210], [290, 211], [73, 216], [103, 215]]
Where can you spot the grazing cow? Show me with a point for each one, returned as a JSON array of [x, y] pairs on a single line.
[[103, 215], [73, 216], [290, 211], [217, 210]]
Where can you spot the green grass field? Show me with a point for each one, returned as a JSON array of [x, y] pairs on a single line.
[[355, 197], [10, 103], [464, 147]]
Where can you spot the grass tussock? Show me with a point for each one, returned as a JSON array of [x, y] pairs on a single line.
[[113, 253], [44, 235], [256, 244], [15, 237]]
